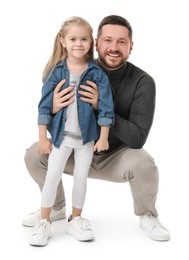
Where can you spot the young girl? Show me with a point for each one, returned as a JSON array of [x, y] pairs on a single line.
[[75, 127]]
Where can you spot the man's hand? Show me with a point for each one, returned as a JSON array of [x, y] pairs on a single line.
[[62, 98], [90, 94], [66, 96]]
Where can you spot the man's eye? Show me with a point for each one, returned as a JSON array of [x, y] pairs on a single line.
[[122, 42]]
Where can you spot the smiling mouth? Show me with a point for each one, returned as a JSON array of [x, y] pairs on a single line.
[[113, 55]]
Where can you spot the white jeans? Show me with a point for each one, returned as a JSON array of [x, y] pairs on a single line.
[[58, 157]]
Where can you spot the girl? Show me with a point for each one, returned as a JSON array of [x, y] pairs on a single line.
[[76, 127]]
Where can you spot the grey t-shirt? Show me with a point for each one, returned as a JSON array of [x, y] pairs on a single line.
[[72, 122]]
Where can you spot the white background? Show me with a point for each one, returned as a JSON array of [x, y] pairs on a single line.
[[160, 34]]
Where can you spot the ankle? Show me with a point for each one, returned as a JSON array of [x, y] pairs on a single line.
[[71, 217]]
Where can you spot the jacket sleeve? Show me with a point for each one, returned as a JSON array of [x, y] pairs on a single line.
[[45, 104], [106, 114], [134, 131]]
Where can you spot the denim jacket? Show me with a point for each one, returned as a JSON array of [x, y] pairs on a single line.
[[89, 119]]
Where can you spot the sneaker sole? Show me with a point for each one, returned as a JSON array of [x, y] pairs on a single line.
[[89, 238], [38, 244], [28, 224], [153, 237], [54, 218]]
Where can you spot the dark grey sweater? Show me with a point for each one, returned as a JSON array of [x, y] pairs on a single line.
[[134, 96]]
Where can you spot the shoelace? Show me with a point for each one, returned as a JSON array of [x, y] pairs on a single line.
[[84, 223], [41, 227], [155, 221], [158, 222]]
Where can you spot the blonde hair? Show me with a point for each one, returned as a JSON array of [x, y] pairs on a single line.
[[59, 52]]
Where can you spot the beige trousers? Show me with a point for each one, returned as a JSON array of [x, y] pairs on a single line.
[[135, 166]]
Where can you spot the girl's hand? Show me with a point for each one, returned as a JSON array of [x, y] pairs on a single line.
[[44, 146], [101, 145]]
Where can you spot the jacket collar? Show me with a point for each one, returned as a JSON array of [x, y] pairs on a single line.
[[91, 64]]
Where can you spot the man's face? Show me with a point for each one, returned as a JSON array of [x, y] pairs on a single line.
[[113, 46]]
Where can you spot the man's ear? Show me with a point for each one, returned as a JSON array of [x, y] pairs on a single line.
[[96, 44], [131, 47]]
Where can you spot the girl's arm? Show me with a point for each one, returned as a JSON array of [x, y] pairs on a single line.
[[102, 143], [44, 145]]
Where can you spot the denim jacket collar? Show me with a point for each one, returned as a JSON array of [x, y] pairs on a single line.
[[63, 63]]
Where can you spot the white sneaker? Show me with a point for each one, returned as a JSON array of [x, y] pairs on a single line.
[[80, 229], [41, 233], [32, 219], [154, 229]]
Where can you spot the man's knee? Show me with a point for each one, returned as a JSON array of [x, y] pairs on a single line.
[[34, 160], [140, 164], [144, 171], [29, 156]]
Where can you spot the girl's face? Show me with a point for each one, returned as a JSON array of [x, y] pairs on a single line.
[[77, 40]]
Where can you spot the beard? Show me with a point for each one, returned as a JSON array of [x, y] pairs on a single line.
[[111, 62]]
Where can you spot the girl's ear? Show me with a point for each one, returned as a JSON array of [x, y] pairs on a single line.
[[62, 42]]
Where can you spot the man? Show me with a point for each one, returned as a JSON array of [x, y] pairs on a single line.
[[126, 160]]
